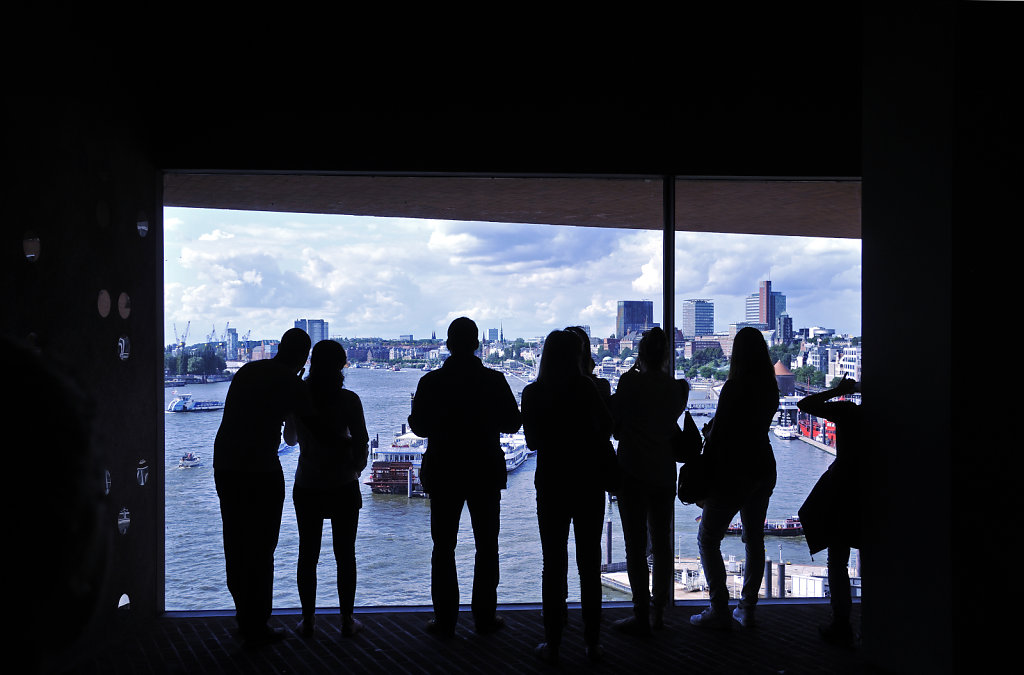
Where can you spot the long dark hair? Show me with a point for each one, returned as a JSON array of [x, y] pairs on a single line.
[[560, 359], [653, 350], [325, 366], [587, 363], [750, 361]]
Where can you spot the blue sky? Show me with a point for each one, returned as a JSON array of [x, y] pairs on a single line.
[[385, 277]]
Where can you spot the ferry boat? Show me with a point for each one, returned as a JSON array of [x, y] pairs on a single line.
[[185, 403], [790, 527], [189, 460], [516, 452], [396, 470], [785, 431]]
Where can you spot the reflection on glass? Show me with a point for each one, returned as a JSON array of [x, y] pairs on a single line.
[[124, 519], [30, 245], [123, 347], [142, 472], [142, 223]]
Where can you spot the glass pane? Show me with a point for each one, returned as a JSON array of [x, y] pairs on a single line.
[[804, 294], [387, 288]]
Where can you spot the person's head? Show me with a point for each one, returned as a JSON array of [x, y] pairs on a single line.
[[750, 359], [653, 352], [587, 363], [560, 359], [294, 348], [326, 362], [462, 336]]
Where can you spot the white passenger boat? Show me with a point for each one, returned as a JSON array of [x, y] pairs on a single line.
[[516, 452], [396, 470], [785, 432], [190, 460], [185, 403]]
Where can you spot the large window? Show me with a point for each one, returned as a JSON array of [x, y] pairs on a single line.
[[564, 252]]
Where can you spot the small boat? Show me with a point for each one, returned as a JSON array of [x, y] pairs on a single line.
[[790, 527], [190, 460], [785, 432], [185, 403]]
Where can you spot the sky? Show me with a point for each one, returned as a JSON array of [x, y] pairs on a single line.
[[385, 277]]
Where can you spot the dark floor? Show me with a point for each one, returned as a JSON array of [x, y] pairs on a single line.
[[394, 641]]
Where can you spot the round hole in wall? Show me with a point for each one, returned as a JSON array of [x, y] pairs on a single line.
[[30, 245], [142, 223], [103, 303], [124, 519], [124, 305], [142, 472], [124, 347]]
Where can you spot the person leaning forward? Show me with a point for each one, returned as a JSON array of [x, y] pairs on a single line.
[[249, 479], [461, 409]]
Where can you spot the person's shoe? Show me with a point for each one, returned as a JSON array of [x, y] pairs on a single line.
[[350, 625], [489, 626], [710, 618], [306, 627], [441, 630], [744, 615], [633, 626], [837, 634], [595, 653], [547, 653], [264, 637]]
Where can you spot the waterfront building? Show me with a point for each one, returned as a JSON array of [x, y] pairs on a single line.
[[315, 328], [634, 315], [231, 346], [697, 318]]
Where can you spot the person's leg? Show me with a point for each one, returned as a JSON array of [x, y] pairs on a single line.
[[588, 524], [633, 512], [267, 513], [752, 516], [485, 513], [553, 523], [311, 526], [659, 519], [445, 512], [714, 522], [345, 525], [839, 583]]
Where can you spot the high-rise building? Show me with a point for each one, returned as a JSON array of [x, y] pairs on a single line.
[[316, 328], [492, 334], [634, 315], [765, 307], [697, 318], [231, 344]]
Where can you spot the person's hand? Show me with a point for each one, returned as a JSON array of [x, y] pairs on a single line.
[[846, 386]]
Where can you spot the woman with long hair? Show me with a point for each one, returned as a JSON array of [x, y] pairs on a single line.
[[647, 405], [333, 450], [742, 470], [565, 420]]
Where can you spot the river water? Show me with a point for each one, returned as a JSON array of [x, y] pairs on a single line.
[[393, 544]]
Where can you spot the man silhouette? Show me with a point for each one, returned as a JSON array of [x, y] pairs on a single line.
[[249, 479], [461, 410]]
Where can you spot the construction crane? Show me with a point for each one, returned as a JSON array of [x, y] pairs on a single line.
[[224, 335], [213, 333]]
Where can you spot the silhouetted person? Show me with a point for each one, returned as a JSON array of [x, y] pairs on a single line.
[[566, 421], [832, 514], [647, 404], [333, 449], [741, 466], [250, 481], [462, 409], [57, 540]]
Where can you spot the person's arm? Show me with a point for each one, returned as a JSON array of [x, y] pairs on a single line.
[[509, 419], [421, 417], [360, 441], [290, 434], [815, 404]]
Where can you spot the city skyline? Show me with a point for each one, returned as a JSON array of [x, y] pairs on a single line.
[[386, 277]]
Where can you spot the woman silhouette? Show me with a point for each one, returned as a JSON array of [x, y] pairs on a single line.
[[333, 443], [566, 421], [647, 405], [742, 469]]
